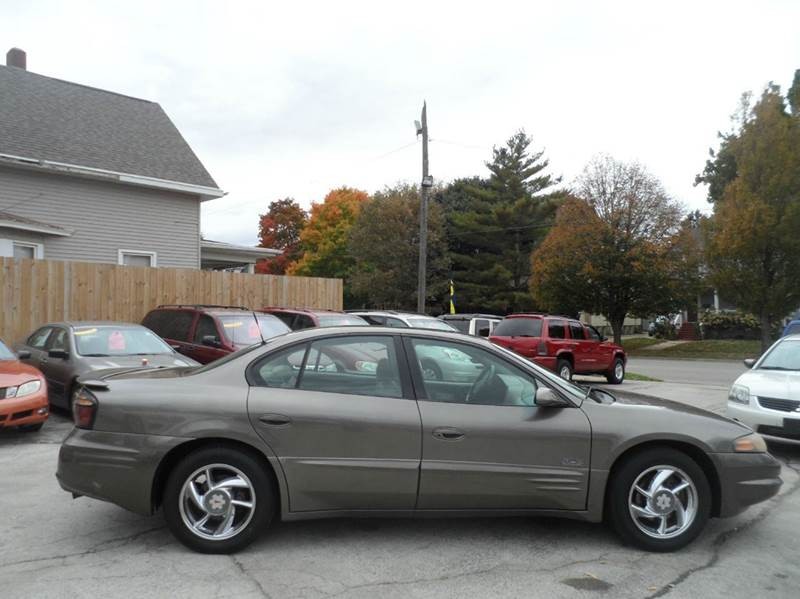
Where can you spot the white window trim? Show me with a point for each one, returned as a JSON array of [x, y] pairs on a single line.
[[38, 248], [152, 255]]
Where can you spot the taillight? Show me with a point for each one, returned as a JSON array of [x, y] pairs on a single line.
[[84, 408], [542, 351]]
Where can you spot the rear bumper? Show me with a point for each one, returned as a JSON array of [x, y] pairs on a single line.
[[115, 467], [746, 479], [31, 409]]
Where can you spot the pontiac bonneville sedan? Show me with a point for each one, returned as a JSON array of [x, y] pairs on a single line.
[[268, 432]]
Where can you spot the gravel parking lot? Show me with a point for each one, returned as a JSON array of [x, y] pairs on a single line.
[[54, 546]]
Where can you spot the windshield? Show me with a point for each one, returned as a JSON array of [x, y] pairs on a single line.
[[518, 327], [784, 355], [459, 325], [118, 341], [341, 320], [242, 331], [5, 353], [421, 322]]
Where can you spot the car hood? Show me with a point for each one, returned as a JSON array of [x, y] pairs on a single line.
[[772, 383], [14, 372], [147, 361], [629, 400]]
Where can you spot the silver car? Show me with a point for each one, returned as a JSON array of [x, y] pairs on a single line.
[[64, 351], [273, 431]]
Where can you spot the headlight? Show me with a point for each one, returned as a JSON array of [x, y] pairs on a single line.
[[739, 394], [23, 389], [752, 443]]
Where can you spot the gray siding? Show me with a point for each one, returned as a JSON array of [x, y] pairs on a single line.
[[105, 217]]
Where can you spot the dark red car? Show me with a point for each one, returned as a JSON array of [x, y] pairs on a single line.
[[563, 345], [300, 318], [207, 333]]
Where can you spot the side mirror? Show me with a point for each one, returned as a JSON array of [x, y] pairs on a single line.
[[23, 354], [175, 346], [211, 341], [484, 332], [547, 398], [603, 338], [749, 362], [58, 353]]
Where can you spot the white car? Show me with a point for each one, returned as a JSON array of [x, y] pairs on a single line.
[[402, 320], [767, 397]]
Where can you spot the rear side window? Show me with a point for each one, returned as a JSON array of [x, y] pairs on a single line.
[[576, 330], [461, 325], [519, 327], [170, 324], [303, 322], [374, 320], [482, 328], [395, 323], [556, 329]]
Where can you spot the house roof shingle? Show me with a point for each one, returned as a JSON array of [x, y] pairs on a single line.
[[54, 120]]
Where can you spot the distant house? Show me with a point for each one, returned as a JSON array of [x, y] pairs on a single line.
[[92, 175]]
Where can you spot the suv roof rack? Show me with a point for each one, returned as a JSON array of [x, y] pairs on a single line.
[[196, 306], [301, 309]]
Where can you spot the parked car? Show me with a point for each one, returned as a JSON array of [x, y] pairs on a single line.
[[563, 345], [23, 393], [767, 397], [792, 328], [206, 333], [403, 320], [63, 351], [253, 438], [480, 325], [300, 318]]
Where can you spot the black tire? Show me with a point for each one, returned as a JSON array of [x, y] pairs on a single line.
[[263, 489], [616, 375], [433, 370], [31, 428], [620, 491], [564, 366]]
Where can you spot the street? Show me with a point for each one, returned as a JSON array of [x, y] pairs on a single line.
[[56, 547], [717, 373]]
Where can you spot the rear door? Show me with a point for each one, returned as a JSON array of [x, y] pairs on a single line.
[[557, 337], [338, 414], [486, 445]]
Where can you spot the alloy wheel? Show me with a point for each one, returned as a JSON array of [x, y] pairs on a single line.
[[663, 502]]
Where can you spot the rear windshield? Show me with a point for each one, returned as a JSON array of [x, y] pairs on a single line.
[[5, 353], [420, 322], [242, 330], [461, 325], [519, 327], [341, 320]]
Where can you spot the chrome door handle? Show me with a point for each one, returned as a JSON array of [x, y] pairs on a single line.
[[275, 419], [448, 434]]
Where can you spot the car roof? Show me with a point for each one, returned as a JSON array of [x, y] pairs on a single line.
[[389, 313], [468, 316], [90, 323], [207, 308], [315, 311], [378, 331], [542, 315]]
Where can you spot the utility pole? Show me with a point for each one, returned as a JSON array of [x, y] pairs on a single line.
[[427, 183]]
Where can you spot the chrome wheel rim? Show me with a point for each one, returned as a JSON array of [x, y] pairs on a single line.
[[430, 373], [663, 502], [217, 502], [619, 371], [564, 373]]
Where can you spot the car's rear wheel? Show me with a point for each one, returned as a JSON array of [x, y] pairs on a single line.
[[218, 499], [659, 500], [564, 369], [617, 373]]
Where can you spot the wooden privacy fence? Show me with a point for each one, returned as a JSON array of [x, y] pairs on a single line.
[[33, 292]]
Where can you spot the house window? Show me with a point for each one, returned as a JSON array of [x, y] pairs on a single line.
[[21, 249], [136, 258]]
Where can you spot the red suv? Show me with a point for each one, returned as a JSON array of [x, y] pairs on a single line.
[[299, 318], [206, 333], [561, 344]]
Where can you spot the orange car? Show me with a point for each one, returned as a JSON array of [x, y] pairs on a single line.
[[23, 393]]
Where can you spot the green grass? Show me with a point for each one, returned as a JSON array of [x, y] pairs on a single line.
[[635, 376], [722, 349], [633, 344]]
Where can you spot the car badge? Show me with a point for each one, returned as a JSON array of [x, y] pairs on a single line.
[[145, 362]]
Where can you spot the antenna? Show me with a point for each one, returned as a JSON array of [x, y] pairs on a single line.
[[260, 332]]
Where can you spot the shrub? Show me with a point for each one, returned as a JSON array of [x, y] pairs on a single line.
[[664, 329], [729, 325]]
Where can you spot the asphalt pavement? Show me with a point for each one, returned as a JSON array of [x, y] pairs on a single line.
[[704, 372], [54, 546]]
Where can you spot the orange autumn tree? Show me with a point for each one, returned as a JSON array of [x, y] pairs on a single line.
[[280, 229], [326, 236]]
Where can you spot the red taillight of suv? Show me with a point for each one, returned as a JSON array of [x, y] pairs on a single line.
[[84, 408], [542, 349]]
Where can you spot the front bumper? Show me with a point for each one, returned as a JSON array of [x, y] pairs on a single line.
[[19, 411], [115, 467], [763, 420], [746, 479]]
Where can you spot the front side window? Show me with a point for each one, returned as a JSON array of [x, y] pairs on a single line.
[[205, 328], [39, 338], [557, 329], [58, 340], [593, 334], [457, 373], [576, 330], [112, 340]]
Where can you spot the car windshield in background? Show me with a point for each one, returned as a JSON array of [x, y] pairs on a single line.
[[341, 320], [783, 356], [242, 329], [118, 341], [5, 353], [418, 322], [519, 327]]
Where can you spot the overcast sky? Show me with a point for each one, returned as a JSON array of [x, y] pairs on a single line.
[[293, 99]]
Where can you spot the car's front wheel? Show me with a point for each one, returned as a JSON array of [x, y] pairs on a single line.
[[659, 500], [218, 499]]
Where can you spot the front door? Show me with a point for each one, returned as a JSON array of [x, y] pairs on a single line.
[[338, 415], [58, 370], [486, 446], [582, 348], [203, 352]]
